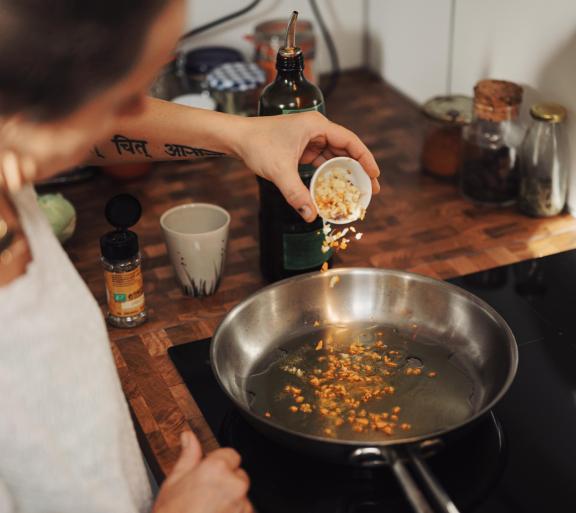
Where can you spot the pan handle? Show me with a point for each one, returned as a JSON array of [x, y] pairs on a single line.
[[436, 489], [414, 495], [374, 456]]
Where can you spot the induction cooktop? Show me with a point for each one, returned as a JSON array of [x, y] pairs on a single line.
[[521, 458]]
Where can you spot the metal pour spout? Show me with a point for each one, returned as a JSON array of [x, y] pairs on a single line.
[[290, 43]]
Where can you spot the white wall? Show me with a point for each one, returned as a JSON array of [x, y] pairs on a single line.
[[430, 47], [409, 44], [345, 20], [529, 41]]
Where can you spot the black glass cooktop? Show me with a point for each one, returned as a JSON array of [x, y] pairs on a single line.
[[521, 458]]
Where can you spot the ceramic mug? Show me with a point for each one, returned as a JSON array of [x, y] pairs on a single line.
[[196, 235]]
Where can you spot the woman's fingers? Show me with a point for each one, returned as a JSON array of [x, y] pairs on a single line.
[[190, 456], [241, 474], [295, 192], [343, 142], [245, 507], [228, 457]]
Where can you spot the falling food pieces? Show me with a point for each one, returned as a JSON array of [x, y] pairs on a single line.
[[432, 374], [334, 238], [267, 415], [319, 345], [316, 324], [324, 267], [333, 281]]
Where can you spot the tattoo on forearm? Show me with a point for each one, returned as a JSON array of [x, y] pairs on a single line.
[[181, 150], [125, 145], [97, 152], [134, 146]]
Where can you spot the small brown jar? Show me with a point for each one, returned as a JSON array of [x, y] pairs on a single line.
[[489, 173], [442, 145]]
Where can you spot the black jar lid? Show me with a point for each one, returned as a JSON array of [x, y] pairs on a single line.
[[122, 212]]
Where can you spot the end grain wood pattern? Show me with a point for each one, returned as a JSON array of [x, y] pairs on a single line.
[[415, 224]]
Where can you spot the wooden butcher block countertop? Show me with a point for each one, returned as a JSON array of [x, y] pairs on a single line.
[[416, 224]]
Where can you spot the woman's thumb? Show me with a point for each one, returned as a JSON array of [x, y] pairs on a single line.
[[296, 193], [191, 453]]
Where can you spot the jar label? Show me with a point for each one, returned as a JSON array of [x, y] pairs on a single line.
[[125, 293], [303, 251]]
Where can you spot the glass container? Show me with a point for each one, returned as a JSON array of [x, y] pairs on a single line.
[[489, 173], [544, 166], [442, 145]]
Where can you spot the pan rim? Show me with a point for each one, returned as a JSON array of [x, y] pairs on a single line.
[[513, 349]]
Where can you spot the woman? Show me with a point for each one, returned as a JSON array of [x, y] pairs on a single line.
[[73, 77]]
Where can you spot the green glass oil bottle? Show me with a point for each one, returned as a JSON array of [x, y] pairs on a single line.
[[288, 244]]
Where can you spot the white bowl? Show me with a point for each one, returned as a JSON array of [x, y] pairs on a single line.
[[358, 177]]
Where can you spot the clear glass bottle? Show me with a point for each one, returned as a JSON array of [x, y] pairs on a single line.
[[489, 172], [544, 166]]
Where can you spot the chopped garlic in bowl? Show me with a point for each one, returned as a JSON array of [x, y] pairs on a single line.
[[341, 190]]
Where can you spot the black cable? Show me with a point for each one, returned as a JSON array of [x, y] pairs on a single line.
[[219, 21], [334, 61], [335, 75]]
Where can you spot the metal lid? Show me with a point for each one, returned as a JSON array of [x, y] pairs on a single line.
[[455, 108], [551, 112]]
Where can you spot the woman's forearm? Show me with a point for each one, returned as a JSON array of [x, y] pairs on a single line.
[[167, 131]]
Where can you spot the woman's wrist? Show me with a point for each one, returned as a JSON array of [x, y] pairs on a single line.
[[232, 132]]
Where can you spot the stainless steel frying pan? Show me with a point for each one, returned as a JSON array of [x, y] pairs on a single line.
[[457, 331]]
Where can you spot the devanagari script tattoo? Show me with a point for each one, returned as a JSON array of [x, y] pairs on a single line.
[[181, 150], [97, 152], [134, 146]]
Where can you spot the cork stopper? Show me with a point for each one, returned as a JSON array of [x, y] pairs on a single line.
[[497, 100]]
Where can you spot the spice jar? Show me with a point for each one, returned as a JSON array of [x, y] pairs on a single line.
[[441, 149], [544, 162], [121, 261], [489, 172]]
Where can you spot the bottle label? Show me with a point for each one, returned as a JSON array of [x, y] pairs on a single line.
[[125, 292], [320, 108], [303, 251]]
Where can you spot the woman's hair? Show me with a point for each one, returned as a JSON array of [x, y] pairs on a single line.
[[56, 54]]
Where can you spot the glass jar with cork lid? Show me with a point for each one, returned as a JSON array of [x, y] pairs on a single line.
[[489, 173]]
